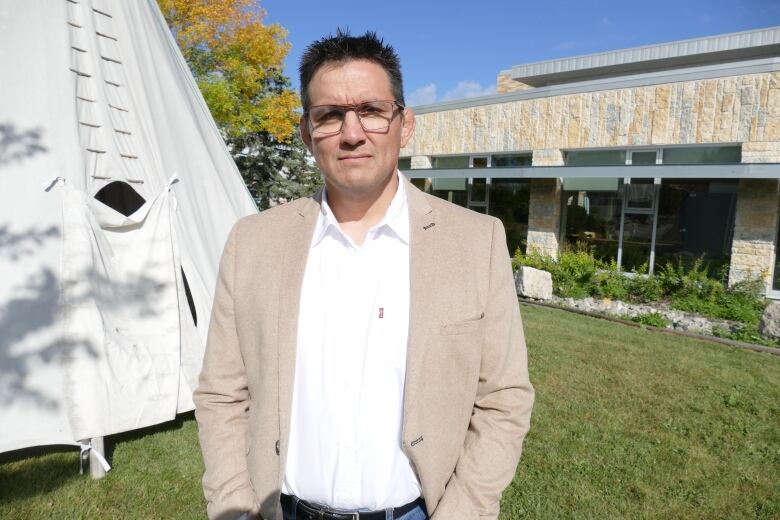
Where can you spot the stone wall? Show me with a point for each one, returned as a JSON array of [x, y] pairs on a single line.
[[544, 209], [421, 161], [505, 83], [753, 249], [761, 152], [722, 110], [551, 157]]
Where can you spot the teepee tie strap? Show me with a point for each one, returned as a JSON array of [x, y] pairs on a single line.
[[84, 456]]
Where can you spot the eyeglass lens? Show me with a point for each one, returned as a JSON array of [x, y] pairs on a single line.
[[373, 115]]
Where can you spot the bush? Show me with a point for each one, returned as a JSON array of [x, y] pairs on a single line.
[[645, 288], [693, 290], [571, 273], [746, 333], [609, 283], [652, 319], [575, 274], [686, 286]]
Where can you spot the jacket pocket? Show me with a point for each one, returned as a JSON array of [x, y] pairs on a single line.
[[463, 327]]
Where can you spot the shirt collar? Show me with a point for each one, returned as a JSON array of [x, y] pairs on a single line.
[[396, 217]]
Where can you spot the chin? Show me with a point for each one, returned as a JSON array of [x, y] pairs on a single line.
[[354, 184]]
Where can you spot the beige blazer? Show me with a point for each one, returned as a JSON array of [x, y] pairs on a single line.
[[468, 399]]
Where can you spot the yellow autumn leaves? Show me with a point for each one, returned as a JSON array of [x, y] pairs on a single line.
[[237, 62]]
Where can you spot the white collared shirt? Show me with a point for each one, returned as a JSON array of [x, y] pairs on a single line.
[[345, 432]]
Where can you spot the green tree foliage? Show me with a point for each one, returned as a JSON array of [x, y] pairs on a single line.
[[237, 63], [275, 172]]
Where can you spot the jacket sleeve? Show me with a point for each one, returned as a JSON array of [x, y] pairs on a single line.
[[502, 409], [222, 403]]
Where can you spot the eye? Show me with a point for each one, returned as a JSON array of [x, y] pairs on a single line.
[[373, 110], [325, 114]]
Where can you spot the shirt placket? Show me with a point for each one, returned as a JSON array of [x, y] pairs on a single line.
[[348, 478]]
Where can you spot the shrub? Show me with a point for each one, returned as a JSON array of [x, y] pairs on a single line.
[[609, 283], [645, 288], [534, 259], [575, 274], [688, 286], [652, 319], [746, 333], [571, 273]]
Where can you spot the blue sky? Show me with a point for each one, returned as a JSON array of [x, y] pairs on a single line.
[[455, 49]]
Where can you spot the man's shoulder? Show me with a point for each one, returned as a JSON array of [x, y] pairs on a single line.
[[276, 218], [458, 217]]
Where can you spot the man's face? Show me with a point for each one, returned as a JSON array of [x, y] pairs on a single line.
[[355, 162]]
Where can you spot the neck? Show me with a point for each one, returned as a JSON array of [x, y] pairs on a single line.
[[357, 213]]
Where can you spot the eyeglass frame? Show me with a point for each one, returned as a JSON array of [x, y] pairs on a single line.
[[353, 108]]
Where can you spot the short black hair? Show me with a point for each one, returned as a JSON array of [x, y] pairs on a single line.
[[343, 48]]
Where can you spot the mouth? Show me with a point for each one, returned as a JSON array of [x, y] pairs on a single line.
[[354, 158]]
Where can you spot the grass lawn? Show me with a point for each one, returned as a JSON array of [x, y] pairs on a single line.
[[629, 423]]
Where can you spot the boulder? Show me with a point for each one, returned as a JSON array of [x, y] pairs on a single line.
[[770, 321], [533, 283]]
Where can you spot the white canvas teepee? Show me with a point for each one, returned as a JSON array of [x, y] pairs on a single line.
[[116, 197]]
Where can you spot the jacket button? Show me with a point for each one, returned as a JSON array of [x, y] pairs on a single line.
[[277, 447]]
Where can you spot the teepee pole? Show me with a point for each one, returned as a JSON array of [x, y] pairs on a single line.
[[96, 470]]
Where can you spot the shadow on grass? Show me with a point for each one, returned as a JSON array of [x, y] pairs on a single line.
[[44, 472], [39, 470], [133, 435]]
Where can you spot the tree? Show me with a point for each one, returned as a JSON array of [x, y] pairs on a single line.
[[280, 171], [237, 63]]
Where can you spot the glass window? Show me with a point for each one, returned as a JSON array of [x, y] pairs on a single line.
[[448, 184], [590, 183], [592, 218], [509, 199], [479, 162], [404, 163], [452, 161], [420, 183], [640, 194], [451, 189], [511, 161], [776, 278], [596, 158], [637, 236], [695, 218], [639, 158], [703, 155], [479, 190]]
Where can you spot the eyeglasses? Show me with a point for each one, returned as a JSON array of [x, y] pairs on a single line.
[[374, 116]]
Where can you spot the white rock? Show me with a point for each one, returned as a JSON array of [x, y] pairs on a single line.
[[770, 321], [533, 283]]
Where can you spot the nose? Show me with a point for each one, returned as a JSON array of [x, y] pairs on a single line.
[[352, 132]]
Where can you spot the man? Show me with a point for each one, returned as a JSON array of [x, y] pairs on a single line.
[[365, 352]]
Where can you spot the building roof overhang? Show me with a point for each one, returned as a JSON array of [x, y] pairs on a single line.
[[721, 48], [662, 171], [740, 68]]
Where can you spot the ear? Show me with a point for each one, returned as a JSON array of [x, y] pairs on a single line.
[[303, 128], [407, 130]]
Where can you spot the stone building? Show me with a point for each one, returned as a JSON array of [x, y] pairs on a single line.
[[644, 155]]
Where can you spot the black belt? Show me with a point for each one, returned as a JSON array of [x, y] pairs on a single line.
[[308, 511]]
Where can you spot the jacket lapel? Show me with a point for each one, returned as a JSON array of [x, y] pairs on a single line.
[[423, 235], [296, 252]]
